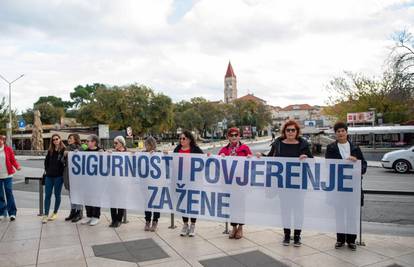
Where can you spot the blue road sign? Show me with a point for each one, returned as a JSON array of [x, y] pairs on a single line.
[[22, 124]]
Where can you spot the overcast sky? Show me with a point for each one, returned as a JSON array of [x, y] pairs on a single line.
[[282, 51]]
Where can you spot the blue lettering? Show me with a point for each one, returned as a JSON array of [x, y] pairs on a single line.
[[194, 169], [255, 172], [221, 204], [92, 169], [342, 177], [191, 201], [331, 186], [228, 178], [306, 172], [143, 166], [216, 177], [76, 169], [156, 172], [290, 174], [270, 173]]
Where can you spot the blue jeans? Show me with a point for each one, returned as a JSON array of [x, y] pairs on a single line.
[[53, 183], [7, 184]]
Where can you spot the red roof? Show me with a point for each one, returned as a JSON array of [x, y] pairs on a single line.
[[230, 72], [251, 97], [298, 107]]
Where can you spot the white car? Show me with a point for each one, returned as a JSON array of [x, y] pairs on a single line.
[[401, 161]]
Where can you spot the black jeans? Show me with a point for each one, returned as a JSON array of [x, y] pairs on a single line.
[[236, 224], [148, 215], [185, 220], [295, 233], [93, 212], [117, 214], [348, 238]]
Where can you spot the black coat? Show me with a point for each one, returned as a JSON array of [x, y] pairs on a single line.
[[193, 149], [332, 152], [54, 163], [303, 146]]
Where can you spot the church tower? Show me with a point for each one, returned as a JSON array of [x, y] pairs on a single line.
[[230, 85]]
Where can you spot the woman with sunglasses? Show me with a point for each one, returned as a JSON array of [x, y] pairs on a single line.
[[291, 145], [54, 165], [74, 144], [92, 213], [188, 145], [118, 214], [235, 148]]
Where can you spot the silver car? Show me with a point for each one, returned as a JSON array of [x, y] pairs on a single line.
[[402, 161]]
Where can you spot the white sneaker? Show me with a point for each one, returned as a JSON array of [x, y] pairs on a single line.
[[191, 232], [184, 230], [2, 217], [87, 220], [94, 222]]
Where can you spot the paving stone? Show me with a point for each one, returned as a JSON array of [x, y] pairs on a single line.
[[257, 258], [226, 261], [106, 249], [148, 254]]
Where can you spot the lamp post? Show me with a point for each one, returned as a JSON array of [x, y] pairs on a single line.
[[10, 125]]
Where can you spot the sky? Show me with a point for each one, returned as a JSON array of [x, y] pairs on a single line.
[[284, 52]]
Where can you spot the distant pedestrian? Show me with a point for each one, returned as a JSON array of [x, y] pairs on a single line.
[[54, 165], [235, 148], [8, 164], [74, 144], [151, 146], [343, 148], [118, 214], [188, 145], [92, 213]]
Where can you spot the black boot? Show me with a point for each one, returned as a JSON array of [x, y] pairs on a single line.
[[78, 216], [71, 215]]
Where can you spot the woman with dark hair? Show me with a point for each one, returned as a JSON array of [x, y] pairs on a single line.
[[235, 148], [54, 165], [151, 146], [188, 145], [343, 148], [291, 144], [74, 144], [8, 164]]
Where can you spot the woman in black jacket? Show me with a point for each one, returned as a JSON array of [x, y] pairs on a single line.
[[290, 144], [74, 144], [54, 164], [188, 145], [342, 148]]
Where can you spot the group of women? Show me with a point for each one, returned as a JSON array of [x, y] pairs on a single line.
[[289, 144]]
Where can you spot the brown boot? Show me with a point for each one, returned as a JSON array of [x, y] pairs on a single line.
[[147, 226], [239, 233], [154, 226], [233, 232]]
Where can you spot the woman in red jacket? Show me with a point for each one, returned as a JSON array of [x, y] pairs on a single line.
[[7, 165], [235, 148]]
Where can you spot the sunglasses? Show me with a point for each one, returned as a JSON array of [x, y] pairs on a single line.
[[55, 139], [183, 138], [233, 135], [290, 130]]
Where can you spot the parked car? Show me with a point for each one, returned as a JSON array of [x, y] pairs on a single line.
[[401, 161]]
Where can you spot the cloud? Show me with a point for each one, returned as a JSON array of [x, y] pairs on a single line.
[[282, 51]]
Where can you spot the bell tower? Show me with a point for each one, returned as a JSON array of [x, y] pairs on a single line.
[[230, 85]]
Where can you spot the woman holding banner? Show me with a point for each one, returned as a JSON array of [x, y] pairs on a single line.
[[74, 144], [290, 144], [343, 148], [235, 148], [188, 145], [54, 165], [151, 146], [92, 213], [118, 214]]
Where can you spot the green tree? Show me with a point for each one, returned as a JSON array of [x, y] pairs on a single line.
[[84, 94], [54, 101], [4, 116]]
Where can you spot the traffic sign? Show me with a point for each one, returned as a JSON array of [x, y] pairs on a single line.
[[22, 125]]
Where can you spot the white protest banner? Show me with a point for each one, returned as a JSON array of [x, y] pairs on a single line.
[[314, 194]]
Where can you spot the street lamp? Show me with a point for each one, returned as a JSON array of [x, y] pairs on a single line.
[[10, 125]]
